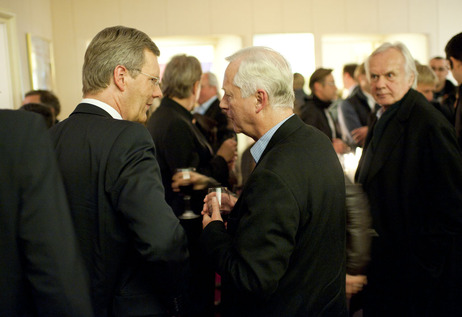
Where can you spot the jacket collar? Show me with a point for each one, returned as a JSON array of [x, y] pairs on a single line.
[[88, 108], [287, 128], [393, 133]]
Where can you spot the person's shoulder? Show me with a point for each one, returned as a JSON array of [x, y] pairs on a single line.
[[449, 86], [425, 114], [21, 121]]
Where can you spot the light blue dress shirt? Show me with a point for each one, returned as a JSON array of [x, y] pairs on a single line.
[[259, 147]]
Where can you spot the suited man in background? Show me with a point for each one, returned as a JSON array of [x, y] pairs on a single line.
[[283, 250], [45, 97], [209, 106], [133, 245], [41, 271], [411, 171], [453, 51], [315, 109], [354, 113]]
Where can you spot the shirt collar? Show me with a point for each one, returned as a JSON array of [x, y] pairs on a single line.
[[202, 109], [259, 147], [104, 106]]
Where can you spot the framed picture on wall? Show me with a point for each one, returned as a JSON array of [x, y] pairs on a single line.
[[41, 64]]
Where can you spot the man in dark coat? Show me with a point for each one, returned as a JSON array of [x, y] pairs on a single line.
[[41, 271], [133, 245], [219, 128], [283, 250], [315, 109], [411, 170], [454, 55], [354, 113]]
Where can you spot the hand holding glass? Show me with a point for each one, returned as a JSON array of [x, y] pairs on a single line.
[[223, 198], [186, 190]]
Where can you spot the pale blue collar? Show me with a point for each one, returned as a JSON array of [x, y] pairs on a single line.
[[202, 109], [259, 147]]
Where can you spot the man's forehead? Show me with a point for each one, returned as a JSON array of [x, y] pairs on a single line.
[[439, 62], [390, 60]]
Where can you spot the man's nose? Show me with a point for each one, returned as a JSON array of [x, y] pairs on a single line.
[[223, 105], [157, 93], [380, 81]]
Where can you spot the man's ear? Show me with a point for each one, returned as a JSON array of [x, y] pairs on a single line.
[[261, 100], [316, 87], [120, 77]]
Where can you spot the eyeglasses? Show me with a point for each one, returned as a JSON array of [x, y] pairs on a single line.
[[155, 80]]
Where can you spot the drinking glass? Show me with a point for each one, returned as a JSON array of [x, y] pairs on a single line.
[[187, 190], [222, 195]]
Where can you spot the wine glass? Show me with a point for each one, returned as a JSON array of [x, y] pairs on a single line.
[[222, 194], [187, 190]]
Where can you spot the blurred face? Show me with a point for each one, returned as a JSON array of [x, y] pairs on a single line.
[[326, 91], [141, 90], [364, 83], [239, 110], [207, 91], [426, 90], [441, 68], [389, 81]]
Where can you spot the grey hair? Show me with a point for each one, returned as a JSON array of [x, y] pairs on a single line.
[[114, 46], [264, 68], [213, 80], [409, 62]]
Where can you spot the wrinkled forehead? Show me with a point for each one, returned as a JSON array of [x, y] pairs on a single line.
[[389, 60]]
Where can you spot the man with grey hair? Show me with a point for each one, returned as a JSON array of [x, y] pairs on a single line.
[[411, 170], [133, 245], [218, 128], [282, 252]]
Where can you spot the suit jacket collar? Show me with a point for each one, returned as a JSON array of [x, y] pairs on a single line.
[[88, 108], [287, 128]]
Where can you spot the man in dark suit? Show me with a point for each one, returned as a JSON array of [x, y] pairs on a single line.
[[411, 170], [315, 109], [41, 271], [454, 55], [283, 250], [133, 245], [218, 128], [354, 113]]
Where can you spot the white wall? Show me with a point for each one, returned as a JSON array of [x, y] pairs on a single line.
[[31, 16], [72, 23]]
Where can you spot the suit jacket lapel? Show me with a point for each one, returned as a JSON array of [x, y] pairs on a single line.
[[392, 135]]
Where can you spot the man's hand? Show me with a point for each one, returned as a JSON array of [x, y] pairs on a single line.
[[200, 181], [215, 215], [359, 135], [340, 147], [354, 284]]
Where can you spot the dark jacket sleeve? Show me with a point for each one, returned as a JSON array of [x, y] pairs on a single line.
[[359, 224], [136, 190]]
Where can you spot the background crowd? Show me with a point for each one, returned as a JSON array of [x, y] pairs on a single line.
[[92, 209]]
